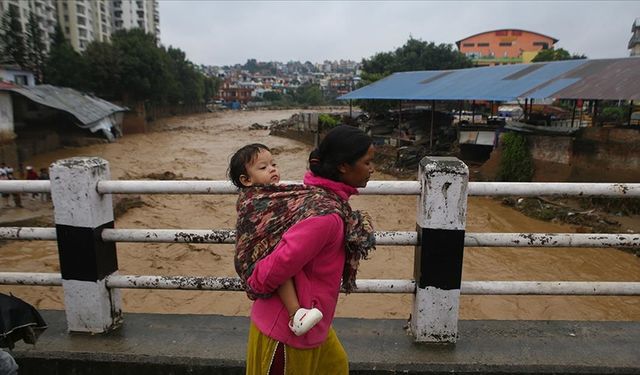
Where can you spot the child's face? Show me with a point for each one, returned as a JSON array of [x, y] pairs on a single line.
[[262, 170]]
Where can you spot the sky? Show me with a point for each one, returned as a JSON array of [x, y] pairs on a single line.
[[230, 32]]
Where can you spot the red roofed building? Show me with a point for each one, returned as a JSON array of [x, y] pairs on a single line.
[[504, 46]]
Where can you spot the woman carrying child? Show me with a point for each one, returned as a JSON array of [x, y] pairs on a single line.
[[310, 235]]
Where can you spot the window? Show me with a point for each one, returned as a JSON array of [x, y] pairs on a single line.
[[505, 44], [81, 20], [544, 45], [501, 33], [82, 32], [21, 79], [80, 8], [483, 44], [516, 32], [468, 44]]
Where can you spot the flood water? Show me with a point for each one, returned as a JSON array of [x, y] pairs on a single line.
[[199, 147]]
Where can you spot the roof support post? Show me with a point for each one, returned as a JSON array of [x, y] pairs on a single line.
[[473, 112], [433, 109], [573, 113], [630, 112], [441, 224]]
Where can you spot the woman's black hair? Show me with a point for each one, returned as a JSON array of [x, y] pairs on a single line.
[[239, 161], [343, 144]]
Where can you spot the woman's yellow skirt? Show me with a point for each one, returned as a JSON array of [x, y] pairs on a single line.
[[329, 358]]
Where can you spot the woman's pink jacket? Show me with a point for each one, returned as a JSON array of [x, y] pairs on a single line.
[[312, 252]]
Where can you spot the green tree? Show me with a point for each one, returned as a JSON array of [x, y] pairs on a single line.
[[105, 76], [12, 39], [189, 83], [36, 50], [516, 164], [272, 96], [211, 87], [251, 65], [144, 67], [552, 54], [64, 66], [414, 55], [309, 94]]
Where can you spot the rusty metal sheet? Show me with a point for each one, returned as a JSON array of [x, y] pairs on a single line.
[[612, 79]]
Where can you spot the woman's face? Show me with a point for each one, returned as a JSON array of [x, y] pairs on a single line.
[[358, 174]]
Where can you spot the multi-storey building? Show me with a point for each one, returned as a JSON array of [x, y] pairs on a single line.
[[44, 10], [634, 43], [505, 46], [84, 21], [143, 14]]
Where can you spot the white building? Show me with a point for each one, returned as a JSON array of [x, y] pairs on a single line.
[[45, 11], [143, 14], [634, 43], [13, 74], [84, 21]]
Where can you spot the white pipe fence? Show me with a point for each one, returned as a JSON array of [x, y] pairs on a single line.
[[226, 236], [576, 288], [619, 190], [437, 176]]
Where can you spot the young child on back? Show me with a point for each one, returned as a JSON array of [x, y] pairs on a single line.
[[253, 165]]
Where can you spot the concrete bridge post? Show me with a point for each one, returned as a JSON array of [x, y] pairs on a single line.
[[81, 213], [442, 208]]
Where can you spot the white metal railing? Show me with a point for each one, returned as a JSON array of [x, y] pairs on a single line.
[[577, 288], [100, 186], [630, 190], [225, 236]]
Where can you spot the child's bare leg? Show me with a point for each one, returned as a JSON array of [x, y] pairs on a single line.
[[287, 293]]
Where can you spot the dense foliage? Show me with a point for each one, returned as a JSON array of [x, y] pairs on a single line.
[[12, 39], [553, 54], [516, 164]]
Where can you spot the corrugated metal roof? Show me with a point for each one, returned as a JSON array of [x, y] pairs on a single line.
[[612, 79], [86, 108]]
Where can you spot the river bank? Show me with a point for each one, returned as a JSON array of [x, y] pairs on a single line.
[[198, 147]]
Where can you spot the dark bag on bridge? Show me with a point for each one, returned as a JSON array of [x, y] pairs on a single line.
[[18, 321]]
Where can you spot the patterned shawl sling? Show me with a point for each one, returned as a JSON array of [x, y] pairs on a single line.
[[265, 213]]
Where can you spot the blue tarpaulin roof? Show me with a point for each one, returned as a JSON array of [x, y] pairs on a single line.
[[613, 79]]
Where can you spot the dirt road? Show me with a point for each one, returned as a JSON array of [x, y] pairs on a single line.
[[199, 147]]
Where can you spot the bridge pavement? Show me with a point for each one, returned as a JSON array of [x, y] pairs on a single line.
[[213, 344]]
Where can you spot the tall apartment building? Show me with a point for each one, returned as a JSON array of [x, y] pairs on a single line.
[[84, 21], [143, 14], [45, 11], [634, 43]]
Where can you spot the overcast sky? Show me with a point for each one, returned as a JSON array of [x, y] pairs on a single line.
[[230, 32]]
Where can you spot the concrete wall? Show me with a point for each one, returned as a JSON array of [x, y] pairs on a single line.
[[551, 149], [593, 155], [6, 118]]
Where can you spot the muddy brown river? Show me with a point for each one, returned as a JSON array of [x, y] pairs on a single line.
[[199, 146]]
